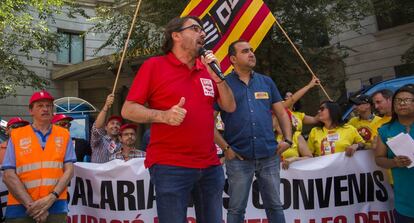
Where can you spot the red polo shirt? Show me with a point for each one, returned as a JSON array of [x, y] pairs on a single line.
[[162, 81]]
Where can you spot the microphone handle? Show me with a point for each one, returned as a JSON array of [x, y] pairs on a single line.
[[216, 70]]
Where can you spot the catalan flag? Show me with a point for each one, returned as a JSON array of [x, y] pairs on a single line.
[[227, 21]]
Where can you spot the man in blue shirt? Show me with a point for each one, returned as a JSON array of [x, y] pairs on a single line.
[[248, 141], [38, 167]]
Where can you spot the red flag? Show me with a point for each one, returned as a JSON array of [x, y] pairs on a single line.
[[227, 21]]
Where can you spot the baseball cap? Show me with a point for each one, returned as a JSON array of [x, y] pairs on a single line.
[[116, 117], [16, 120], [361, 99], [59, 117], [40, 95], [128, 126]]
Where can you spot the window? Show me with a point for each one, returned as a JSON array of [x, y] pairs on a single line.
[[391, 13], [71, 48]]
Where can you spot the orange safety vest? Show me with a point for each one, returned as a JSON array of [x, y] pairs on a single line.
[[39, 169]]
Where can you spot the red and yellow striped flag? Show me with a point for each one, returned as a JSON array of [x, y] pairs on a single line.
[[227, 21]]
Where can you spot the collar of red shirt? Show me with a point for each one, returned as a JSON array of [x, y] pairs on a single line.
[[174, 60]]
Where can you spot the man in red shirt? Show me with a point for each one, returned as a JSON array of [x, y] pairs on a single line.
[[180, 90]]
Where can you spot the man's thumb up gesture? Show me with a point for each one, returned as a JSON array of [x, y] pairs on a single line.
[[176, 114]]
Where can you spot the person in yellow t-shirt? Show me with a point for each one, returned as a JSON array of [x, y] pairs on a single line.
[[292, 104], [366, 123], [297, 151], [332, 136], [382, 100]]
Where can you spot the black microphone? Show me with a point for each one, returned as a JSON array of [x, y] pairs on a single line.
[[213, 65]]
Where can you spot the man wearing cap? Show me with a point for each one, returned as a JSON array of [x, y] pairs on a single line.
[[82, 147], [128, 137], [366, 123], [13, 123], [38, 167], [104, 136]]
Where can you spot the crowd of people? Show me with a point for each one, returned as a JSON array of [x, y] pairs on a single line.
[[180, 96]]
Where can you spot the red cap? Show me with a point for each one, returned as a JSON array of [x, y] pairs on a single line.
[[128, 126], [59, 117], [40, 95], [116, 117], [15, 120]]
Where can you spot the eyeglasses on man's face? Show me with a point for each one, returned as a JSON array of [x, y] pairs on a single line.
[[196, 28]]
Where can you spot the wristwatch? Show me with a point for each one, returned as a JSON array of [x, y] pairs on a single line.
[[288, 142]]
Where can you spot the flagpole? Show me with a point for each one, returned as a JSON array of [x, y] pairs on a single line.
[[301, 57], [126, 46]]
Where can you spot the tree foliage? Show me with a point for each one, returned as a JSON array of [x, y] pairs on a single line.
[[24, 32]]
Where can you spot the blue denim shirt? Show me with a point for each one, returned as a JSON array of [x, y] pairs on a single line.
[[248, 130]]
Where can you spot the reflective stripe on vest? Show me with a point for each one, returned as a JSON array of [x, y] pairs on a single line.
[[36, 166], [42, 182], [39, 169]]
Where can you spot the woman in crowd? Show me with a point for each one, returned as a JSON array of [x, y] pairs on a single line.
[[292, 104], [402, 122], [332, 135]]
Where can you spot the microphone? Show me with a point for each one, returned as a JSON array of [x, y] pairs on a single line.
[[213, 65]]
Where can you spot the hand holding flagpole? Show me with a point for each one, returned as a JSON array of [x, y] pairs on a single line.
[[126, 46], [301, 57]]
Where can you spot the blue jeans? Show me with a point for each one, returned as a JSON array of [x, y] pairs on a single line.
[[173, 186], [240, 176]]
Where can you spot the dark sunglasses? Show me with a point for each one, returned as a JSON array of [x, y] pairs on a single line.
[[17, 125], [321, 109], [64, 124]]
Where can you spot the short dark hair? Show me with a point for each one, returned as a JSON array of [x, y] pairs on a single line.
[[386, 93], [232, 49], [174, 25]]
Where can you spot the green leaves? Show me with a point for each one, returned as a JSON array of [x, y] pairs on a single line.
[[25, 35]]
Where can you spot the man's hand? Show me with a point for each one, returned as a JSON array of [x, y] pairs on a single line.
[[42, 218], [109, 101], [402, 161], [230, 154], [281, 147], [39, 207], [208, 58], [176, 114]]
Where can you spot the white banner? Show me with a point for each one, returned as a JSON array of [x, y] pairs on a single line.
[[333, 188]]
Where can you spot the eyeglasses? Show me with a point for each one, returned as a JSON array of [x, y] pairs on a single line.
[[17, 125], [64, 124], [406, 101], [196, 28]]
